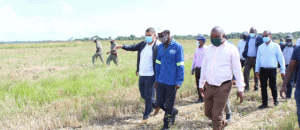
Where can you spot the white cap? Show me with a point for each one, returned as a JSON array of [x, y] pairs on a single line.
[[111, 39], [94, 39]]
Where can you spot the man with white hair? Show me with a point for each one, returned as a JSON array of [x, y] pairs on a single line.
[[98, 51], [113, 53]]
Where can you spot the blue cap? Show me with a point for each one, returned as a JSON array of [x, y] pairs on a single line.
[[201, 38]]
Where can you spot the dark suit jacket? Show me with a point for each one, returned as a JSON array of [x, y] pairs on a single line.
[[139, 47], [258, 42]]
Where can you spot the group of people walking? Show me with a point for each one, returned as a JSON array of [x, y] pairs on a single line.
[[217, 67], [113, 53]]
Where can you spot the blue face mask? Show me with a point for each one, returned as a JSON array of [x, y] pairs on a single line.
[[281, 42], [148, 39], [266, 39], [252, 35]]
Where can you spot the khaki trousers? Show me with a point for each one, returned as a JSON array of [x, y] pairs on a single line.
[[214, 102]]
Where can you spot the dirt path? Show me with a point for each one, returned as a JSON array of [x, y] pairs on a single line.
[[191, 116]]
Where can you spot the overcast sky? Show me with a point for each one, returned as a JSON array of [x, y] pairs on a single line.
[[63, 19]]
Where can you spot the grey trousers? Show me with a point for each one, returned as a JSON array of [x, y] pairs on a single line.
[[96, 55], [249, 63], [112, 58]]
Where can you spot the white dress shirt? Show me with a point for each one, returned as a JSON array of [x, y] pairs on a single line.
[[268, 56], [146, 61], [218, 65], [241, 47]]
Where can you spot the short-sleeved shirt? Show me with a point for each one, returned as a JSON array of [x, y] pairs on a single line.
[[98, 45], [296, 56]]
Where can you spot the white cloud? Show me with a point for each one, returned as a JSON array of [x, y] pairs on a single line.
[[67, 7]]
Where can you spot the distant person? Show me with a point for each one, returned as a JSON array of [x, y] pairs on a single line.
[[253, 41], [98, 51], [294, 63], [197, 63], [281, 42], [241, 47], [169, 76], [287, 50], [268, 55], [220, 62], [147, 52], [113, 53]]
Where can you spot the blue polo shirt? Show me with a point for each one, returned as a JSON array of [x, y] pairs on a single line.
[[296, 56], [169, 65]]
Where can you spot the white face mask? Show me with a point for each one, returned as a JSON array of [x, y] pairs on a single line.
[[197, 42]]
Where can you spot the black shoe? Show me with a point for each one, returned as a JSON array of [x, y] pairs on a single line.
[[255, 89], [275, 103], [228, 117], [262, 106], [199, 101], [174, 113]]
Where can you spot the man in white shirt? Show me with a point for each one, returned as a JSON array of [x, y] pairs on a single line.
[[147, 52], [220, 62], [268, 56], [241, 47]]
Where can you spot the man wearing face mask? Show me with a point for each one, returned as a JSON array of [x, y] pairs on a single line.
[[241, 47], [169, 76], [287, 51], [268, 55], [147, 51], [197, 62], [253, 41], [113, 53], [220, 62]]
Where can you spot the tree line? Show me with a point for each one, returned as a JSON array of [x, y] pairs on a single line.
[[234, 35]]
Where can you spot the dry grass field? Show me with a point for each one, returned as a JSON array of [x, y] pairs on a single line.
[[55, 86]]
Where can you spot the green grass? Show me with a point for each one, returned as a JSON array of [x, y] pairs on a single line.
[[37, 77]]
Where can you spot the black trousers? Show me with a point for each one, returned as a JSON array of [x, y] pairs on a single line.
[[266, 74], [165, 98], [243, 63], [197, 76]]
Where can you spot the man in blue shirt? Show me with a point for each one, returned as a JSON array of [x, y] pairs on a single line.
[[169, 76], [294, 63], [268, 55], [253, 41]]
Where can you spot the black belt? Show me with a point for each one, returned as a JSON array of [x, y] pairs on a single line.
[[251, 57], [221, 84], [268, 68]]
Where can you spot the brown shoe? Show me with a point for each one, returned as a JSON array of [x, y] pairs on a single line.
[[144, 121], [156, 111]]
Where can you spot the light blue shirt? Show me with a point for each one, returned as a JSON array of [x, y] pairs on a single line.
[[251, 47], [268, 56]]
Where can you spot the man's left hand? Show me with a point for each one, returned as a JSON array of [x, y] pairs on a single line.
[[107, 53], [241, 96], [282, 76], [177, 86]]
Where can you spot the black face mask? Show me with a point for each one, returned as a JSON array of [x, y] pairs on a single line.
[[111, 42], [245, 37]]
